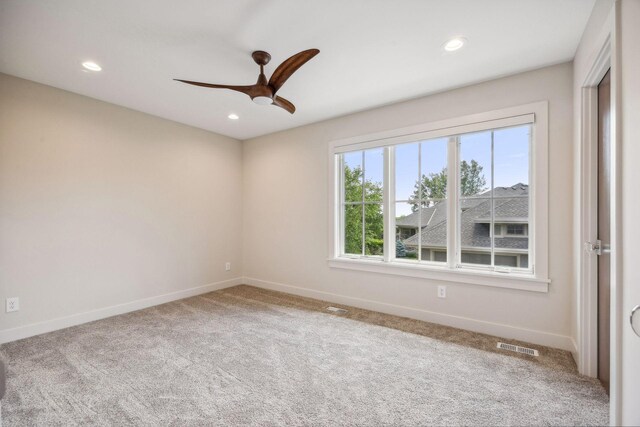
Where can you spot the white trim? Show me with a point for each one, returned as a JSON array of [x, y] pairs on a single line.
[[539, 198], [335, 199], [495, 329], [389, 206], [453, 215], [574, 352], [588, 291], [617, 316], [33, 329], [495, 119], [468, 276]]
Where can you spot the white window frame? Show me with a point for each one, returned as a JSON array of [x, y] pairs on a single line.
[[534, 280]]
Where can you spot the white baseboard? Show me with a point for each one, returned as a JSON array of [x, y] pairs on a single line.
[[574, 351], [496, 329], [26, 331]]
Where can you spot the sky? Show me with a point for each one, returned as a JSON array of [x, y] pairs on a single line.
[[511, 160]]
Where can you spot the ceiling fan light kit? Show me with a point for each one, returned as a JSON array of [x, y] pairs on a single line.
[[263, 100], [264, 92]]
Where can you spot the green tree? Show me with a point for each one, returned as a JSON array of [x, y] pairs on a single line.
[[472, 180], [434, 185], [373, 217]]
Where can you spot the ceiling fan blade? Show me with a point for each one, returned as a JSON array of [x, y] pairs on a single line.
[[288, 67], [243, 89], [283, 103]]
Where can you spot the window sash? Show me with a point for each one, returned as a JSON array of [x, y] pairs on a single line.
[[363, 202]]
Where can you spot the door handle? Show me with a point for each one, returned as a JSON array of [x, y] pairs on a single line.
[[635, 320], [591, 247], [597, 247]]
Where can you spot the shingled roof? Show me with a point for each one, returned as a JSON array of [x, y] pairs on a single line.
[[511, 206]]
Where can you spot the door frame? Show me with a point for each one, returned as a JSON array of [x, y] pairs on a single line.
[[588, 354], [605, 58]]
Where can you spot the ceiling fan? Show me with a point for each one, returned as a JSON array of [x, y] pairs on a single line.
[[264, 92]]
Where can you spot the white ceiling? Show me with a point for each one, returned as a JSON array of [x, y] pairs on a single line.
[[372, 52]]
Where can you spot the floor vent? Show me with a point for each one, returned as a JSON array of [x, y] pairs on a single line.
[[336, 310], [518, 349]]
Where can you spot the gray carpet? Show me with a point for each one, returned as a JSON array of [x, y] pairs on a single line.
[[246, 356]]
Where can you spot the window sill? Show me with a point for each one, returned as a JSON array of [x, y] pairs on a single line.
[[524, 282]]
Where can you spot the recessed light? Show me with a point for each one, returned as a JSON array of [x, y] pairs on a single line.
[[91, 66], [233, 116], [454, 44]]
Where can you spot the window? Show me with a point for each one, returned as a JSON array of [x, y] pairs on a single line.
[[459, 199], [362, 223], [516, 229], [494, 188], [420, 200], [511, 230]]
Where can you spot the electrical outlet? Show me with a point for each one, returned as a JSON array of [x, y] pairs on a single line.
[[442, 291], [13, 304], [227, 266]]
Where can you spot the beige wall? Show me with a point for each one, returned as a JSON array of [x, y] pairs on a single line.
[[629, 90], [286, 225], [101, 205]]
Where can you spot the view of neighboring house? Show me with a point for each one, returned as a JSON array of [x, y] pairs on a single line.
[[427, 229]]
